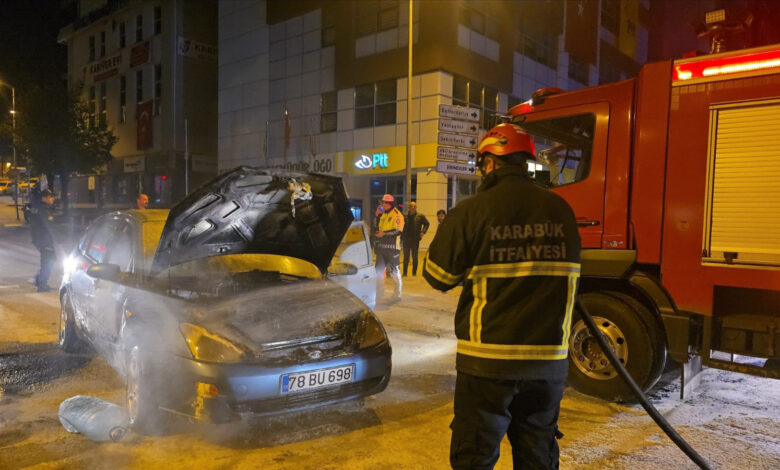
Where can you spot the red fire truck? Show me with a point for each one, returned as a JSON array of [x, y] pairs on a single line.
[[674, 177]]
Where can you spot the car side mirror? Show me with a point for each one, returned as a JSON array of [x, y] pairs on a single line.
[[341, 268], [104, 271]]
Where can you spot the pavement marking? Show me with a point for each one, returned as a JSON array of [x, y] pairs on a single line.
[[9, 286], [12, 225]]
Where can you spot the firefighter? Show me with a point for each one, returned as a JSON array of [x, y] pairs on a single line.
[[390, 226], [41, 214], [515, 248]]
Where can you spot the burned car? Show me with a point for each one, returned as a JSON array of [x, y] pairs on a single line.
[[228, 305]]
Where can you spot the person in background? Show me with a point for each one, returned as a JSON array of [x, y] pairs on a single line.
[[441, 215], [41, 213], [142, 202], [390, 226], [416, 225]]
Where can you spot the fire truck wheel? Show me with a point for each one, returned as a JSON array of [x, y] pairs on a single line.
[[635, 337]]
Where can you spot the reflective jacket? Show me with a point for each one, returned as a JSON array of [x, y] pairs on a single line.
[[516, 249], [392, 224]]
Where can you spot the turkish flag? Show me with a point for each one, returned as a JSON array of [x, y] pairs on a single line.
[[143, 115], [582, 23]]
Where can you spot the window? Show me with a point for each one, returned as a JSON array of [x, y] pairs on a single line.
[[475, 95], [328, 112], [157, 20], [102, 44], [139, 28], [96, 246], [578, 70], [139, 86], [610, 16], [103, 111], [120, 249], [375, 104], [376, 15], [476, 19], [92, 106], [91, 48], [563, 148], [122, 35], [157, 89], [122, 98], [328, 27], [543, 51]]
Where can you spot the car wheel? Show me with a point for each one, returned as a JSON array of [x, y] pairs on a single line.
[[144, 414], [633, 334], [68, 338]]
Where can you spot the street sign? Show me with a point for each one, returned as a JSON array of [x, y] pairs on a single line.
[[455, 168], [459, 112], [461, 127], [461, 155], [457, 140]]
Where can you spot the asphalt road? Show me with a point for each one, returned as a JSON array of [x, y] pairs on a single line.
[[733, 421]]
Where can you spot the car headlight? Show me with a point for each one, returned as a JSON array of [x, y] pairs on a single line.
[[207, 346], [372, 332], [69, 265]]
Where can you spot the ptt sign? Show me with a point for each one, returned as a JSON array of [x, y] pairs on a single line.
[[377, 160]]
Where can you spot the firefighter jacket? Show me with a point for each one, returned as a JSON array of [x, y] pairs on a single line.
[[515, 248], [392, 224]]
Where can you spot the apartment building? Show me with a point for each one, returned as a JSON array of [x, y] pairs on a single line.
[[321, 85], [148, 70]]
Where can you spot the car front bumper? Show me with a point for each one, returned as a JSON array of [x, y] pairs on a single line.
[[255, 389]]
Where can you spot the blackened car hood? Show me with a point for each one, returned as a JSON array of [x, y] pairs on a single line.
[[262, 211]]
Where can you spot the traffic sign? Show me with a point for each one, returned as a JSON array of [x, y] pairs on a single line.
[[457, 140], [461, 155], [459, 112], [443, 166], [461, 127]]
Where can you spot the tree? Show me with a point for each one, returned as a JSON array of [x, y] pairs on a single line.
[[54, 130]]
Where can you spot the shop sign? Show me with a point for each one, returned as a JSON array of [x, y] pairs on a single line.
[[104, 68], [376, 160], [197, 50], [134, 164], [139, 54], [315, 165]]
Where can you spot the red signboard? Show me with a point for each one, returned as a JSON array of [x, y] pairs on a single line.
[[144, 122], [139, 54]]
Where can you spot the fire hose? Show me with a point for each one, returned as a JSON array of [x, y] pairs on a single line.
[[651, 410]]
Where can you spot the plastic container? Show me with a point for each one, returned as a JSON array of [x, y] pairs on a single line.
[[96, 419]]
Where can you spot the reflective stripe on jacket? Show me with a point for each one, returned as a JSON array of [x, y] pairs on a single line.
[[392, 224], [515, 248]]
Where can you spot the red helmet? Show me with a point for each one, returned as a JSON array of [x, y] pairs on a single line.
[[506, 139]]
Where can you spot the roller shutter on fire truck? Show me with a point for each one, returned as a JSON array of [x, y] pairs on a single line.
[[742, 223]]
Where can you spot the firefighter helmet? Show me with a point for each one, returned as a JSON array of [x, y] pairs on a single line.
[[388, 198], [506, 139]]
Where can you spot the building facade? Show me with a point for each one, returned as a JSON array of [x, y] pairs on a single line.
[[321, 86], [147, 70]]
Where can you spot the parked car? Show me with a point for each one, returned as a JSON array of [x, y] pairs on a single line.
[[227, 304], [5, 185]]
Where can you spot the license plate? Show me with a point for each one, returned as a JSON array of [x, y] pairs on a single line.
[[312, 379]]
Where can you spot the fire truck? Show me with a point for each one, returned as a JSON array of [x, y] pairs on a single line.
[[674, 177]]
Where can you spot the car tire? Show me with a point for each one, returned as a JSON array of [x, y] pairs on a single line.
[[144, 414], [634, 335], [68, 338]]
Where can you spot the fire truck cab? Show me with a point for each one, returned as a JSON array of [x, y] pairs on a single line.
[[674, 178]]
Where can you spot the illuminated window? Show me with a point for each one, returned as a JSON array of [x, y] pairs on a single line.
[[122, 99]]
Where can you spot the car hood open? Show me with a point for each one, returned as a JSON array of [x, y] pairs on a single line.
[[261, 211]]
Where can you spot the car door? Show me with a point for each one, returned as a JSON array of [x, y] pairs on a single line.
[[355, 248], [110, 298], [92, 251]]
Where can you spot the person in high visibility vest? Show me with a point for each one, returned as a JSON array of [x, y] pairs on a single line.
[[387, 249], [515, 248]]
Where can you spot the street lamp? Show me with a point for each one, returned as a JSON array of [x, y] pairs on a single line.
[[13, 137]]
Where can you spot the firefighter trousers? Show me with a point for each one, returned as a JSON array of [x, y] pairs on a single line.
[[486, 409]]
